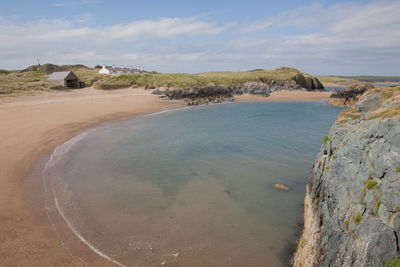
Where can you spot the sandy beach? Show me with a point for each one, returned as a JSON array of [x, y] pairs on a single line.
[[286, 96], [31, 127]]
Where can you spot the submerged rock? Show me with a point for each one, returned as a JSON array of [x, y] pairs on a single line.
[[281, 187]]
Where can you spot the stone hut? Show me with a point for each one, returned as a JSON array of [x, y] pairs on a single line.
[[65, 78]]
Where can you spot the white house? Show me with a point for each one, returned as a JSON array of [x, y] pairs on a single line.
[[104, 70], [118, 70]]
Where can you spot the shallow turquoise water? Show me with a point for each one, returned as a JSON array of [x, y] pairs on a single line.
[[194, 187]]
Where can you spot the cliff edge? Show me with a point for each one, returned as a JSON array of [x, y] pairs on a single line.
[[352, 204]]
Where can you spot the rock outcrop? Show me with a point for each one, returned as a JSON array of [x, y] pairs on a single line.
[[352, 204], [349, 96], [310, 83], [218, 93]]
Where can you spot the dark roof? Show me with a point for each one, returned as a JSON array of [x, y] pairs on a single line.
[[62, 75]]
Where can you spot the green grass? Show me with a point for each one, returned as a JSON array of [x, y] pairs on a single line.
[[227, 77], [327, 168], [378, 204], [387, 92], [154, 80], [357, 218], [346, 223], [386, 114], [88, 76], [299, 245], [330, 80], [15, 82], [393, 263], [325, 139], [350, 113], [370, 78], [398, 169], [184, 80], [370, 184]]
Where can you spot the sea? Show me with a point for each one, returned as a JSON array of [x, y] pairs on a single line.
[[192, 186]]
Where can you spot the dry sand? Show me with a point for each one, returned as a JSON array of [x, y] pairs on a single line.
[[32, 126]]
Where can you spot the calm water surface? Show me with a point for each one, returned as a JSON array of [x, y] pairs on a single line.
[[193, 187]]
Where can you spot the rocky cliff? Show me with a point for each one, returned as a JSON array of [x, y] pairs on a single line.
[[352, 205]]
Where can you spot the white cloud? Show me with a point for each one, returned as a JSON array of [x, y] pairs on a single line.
[[351, 38], [62, 41], [163, 28], [76, 3], [63, 30], [84, 18]]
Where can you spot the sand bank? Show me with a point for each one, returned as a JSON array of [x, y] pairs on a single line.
[[286, 96], [32, 126]]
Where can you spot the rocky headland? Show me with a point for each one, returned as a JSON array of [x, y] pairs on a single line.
[[352, 204], [349, 96], [212, 93]]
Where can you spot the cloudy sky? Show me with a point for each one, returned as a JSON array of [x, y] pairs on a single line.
[[319, 37]]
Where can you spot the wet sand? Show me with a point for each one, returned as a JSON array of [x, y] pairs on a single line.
[[286, 96], [31, 127]]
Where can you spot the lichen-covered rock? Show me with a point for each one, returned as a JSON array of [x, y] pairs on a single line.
[[369, 102], [352, 205]]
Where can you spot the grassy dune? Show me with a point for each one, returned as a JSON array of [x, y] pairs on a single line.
[[183, 80], [18, 83], [329, 81], [15, 83], [372, 78]]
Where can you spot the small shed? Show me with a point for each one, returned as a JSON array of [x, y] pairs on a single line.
[[65, 78]]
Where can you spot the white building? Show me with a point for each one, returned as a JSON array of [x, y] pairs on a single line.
[[121, 70], [104, 70]]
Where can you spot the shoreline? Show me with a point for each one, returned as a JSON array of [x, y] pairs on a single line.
[[36, 125], [295, 95]]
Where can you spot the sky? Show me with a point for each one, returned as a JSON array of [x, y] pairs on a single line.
[[330, 37]]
